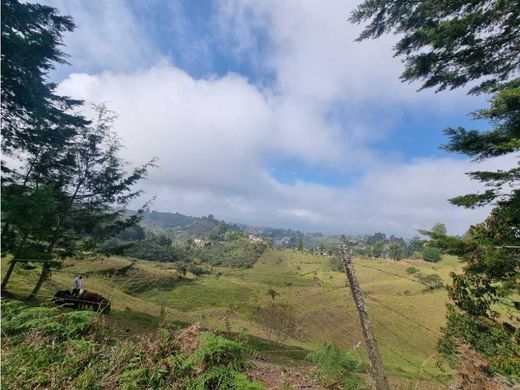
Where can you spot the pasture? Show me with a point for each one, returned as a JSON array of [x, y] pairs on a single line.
[[406, 318]]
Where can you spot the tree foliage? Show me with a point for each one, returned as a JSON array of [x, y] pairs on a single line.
[[32, 113], [431, 254], [449, 44], [64, 186]]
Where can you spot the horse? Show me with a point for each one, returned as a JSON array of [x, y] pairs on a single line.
[[98, 302], [87, 298], [65, 298]]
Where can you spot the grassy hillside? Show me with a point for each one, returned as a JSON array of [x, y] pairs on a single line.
[[306, 287]]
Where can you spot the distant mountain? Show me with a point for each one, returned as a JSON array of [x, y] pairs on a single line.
[[202, 226], [170, 220], [190, 227]]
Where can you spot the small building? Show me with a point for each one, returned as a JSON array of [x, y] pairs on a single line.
[[255, 239], [199, 242]]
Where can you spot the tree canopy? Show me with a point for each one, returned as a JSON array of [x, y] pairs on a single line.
[[446, 43], [64, 185], [472, 43]]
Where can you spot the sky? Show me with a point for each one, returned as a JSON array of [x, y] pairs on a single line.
[[268, 113]]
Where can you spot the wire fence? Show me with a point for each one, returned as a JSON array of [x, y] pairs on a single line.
[[350, 312]]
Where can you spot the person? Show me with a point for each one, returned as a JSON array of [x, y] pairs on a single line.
[[78, 286]]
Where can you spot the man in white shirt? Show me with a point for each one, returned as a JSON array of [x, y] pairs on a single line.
[[78, 285]]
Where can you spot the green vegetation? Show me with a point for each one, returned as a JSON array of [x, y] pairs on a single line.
[[494, 342], [64, 185], [336, 367], [44, 349], [451, 44], [431, 254], [65, 189], [312, 303], [20, 319], [235, 253], [221, 246], [431, 281]]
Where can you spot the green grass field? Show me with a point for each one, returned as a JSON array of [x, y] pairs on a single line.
[[227, 299]]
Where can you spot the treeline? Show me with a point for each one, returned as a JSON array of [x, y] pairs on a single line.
[[222, 245], [396, 248], [376, 245], [171, 235]]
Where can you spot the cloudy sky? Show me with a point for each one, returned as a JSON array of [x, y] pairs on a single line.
[[268, 113]]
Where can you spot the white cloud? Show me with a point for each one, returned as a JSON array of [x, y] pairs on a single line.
[[107, 36], [314, 55], [215, 136]]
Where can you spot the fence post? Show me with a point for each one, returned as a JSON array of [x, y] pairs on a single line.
[[376, 364]]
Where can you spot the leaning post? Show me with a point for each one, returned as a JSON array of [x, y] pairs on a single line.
[[376, 364]]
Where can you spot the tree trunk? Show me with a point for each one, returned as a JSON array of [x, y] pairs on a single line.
[[17, 253], [45, 272], [46, 266], [8, 274]]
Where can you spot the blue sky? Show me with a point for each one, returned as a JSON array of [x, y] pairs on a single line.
[[268, 113]]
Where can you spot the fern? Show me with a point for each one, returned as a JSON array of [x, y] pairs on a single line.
[[48, 348], [335, 367], [219, 361], [217, 350], [18, 318]]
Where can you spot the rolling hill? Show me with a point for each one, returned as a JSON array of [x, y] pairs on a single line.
[[308, 294]]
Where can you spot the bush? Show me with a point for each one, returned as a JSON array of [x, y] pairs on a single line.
[[196, 270], [152, 250], [278, 322], [44, 348], [19, 318], [431, 254], [431, 281], [336, 366], [499, 345], [412, 270], [336, 264], [217, 363], [237, 253]]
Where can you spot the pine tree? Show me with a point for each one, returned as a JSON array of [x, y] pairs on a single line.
[[449, 44], [37, 124], [93, 191], [68, 186]]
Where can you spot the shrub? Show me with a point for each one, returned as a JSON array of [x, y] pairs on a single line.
[[152, 250], [54, 352], [218, 362], [335, 366], [412, 270], [494, 341], [278, 322], [431, 254], [236, 253], [272, 293], [196, 270], [336, 264], [18, 318], [431, 281]]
